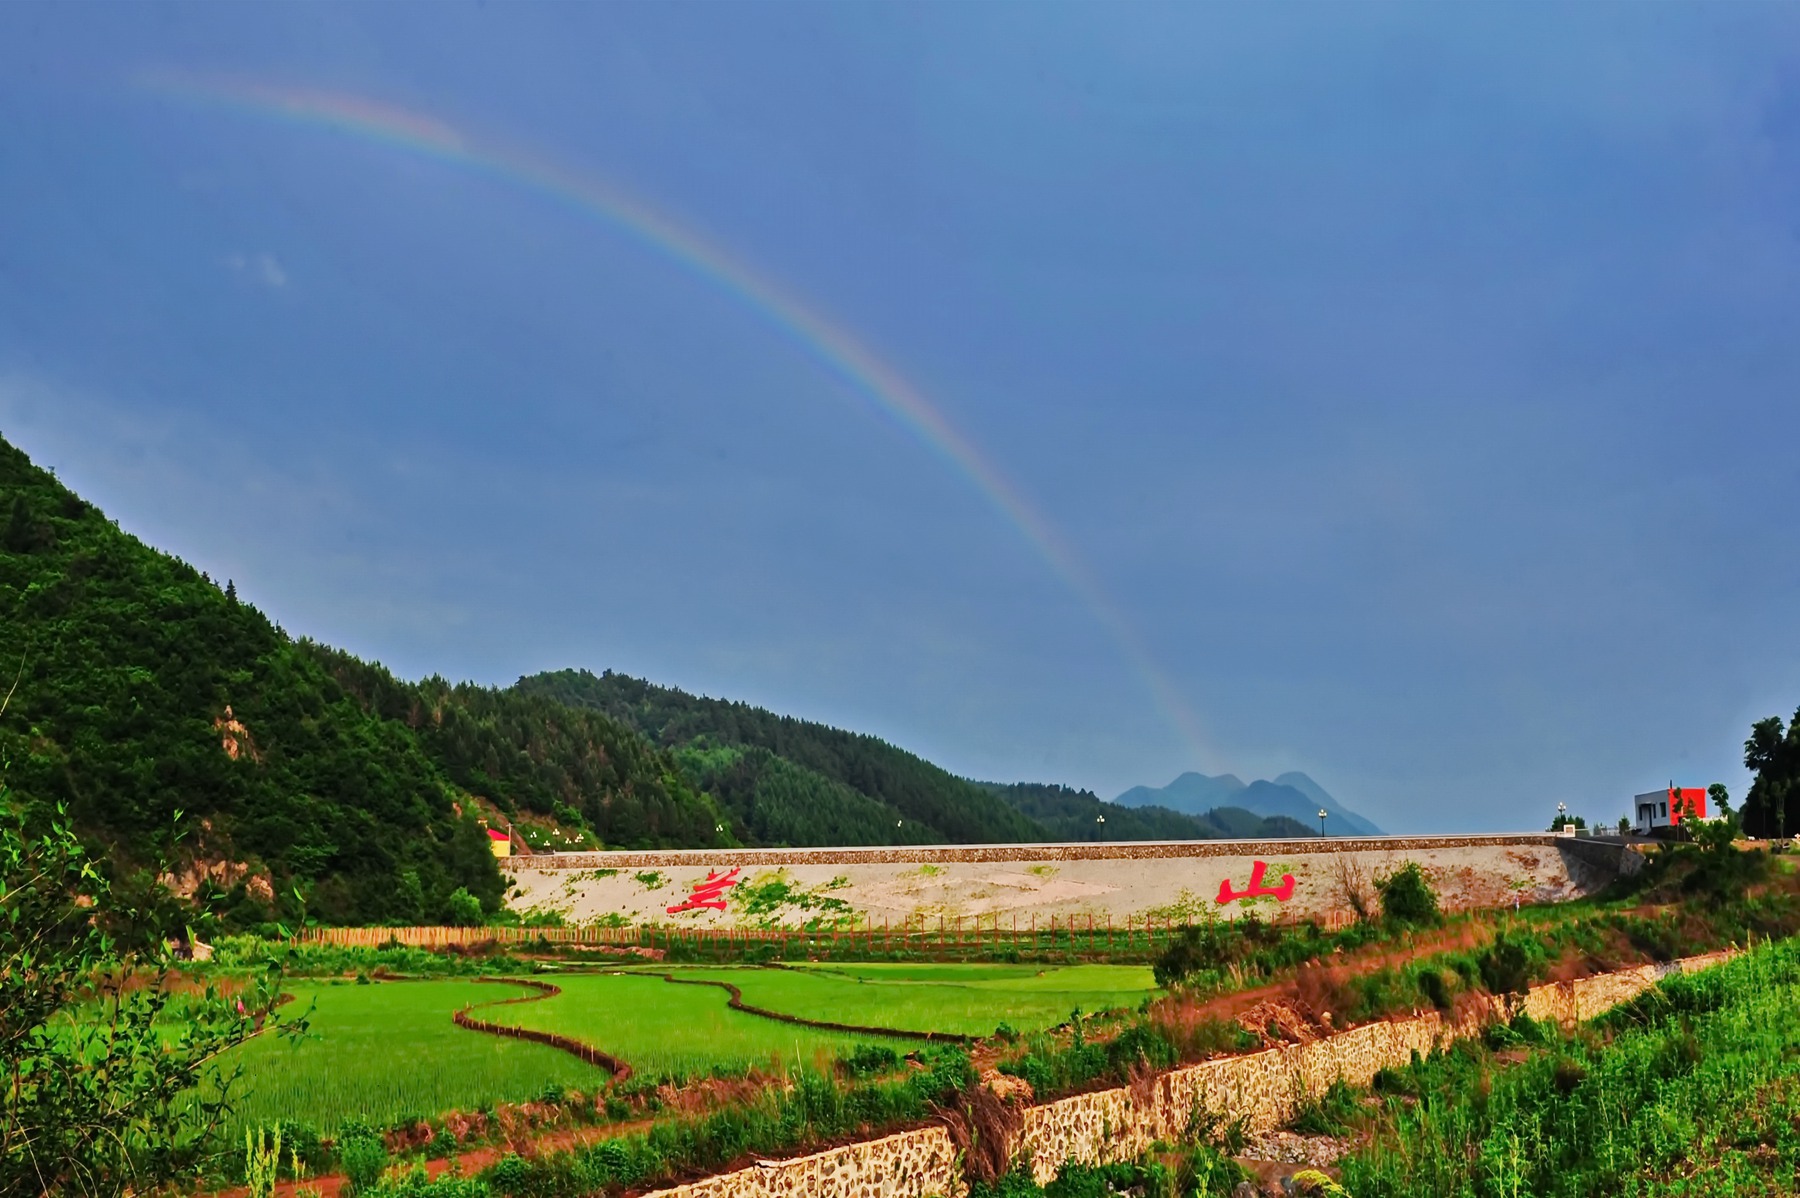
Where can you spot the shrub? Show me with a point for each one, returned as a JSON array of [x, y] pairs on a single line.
[[1326, 1114], [1435, 989], [510, 1175], [302, 1144], [870, 1058], [1388, 1080], [1506, 965], [362, 1156], [415, 1183], [462, 909], [1407, 899], [1140, 1042], [1567, 1074], [1213, 944]]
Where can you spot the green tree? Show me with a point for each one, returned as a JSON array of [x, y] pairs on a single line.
[[462, 909], [1719, 797], [1773, 754], [99, 1099]]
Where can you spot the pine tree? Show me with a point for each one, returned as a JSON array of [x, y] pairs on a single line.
[[231, 590]]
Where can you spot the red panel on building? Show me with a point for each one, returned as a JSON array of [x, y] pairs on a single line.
[[1685, 801]]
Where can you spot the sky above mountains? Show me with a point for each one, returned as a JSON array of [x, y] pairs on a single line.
[[1399, 393]]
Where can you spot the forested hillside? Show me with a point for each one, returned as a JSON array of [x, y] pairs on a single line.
[[145, 690], [774, 801], [301, 776], [789, 781], [913, 789], [1068, 814], [529, 755], [178, 725]]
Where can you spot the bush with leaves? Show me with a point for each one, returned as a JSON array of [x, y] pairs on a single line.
[[99, 1099], [1508, 964], [1407, 899], [462, 909], [362, 1154], [1213, 944]]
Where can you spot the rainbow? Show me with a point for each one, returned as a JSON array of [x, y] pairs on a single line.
[[836, 351]]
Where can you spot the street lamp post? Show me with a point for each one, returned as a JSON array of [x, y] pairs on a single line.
[[1322, 814], [1100, 831], [1562, 816]]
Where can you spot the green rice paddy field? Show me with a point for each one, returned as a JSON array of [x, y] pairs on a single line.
[[967, 1000], [382, 1053], [678, 1031], [663, 1028], [389, 1051]]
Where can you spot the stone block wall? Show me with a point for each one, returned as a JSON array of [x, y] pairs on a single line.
[[998, 890], [921, 1162], [1263, 1088]]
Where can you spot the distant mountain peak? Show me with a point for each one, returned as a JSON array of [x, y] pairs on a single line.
[[1224, 781], [1292, 794]]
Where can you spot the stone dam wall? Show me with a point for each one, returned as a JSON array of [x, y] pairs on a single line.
[[1121, 1124], [1005, 887]]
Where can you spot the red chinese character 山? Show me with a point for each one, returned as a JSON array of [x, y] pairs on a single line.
[[1281, 892], [710, 893]]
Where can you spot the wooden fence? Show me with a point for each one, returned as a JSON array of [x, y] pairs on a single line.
[[1061, 933]]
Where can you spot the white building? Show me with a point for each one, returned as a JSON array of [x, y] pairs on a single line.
[[1666, 808]]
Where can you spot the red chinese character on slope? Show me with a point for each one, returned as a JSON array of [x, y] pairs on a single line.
[[1280, 893], [710, 893]]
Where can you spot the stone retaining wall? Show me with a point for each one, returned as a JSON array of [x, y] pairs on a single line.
[[922, 1162], [1000, 889], [1614, 855], [936, 854], [1263, 1088]]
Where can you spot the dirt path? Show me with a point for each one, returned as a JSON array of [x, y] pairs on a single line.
[[471, 1162]]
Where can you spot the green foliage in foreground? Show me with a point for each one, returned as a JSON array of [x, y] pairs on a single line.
[[814, 1108], [1693, 1089], [105, 1104]]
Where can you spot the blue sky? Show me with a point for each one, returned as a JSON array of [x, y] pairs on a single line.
[[1418, 381]]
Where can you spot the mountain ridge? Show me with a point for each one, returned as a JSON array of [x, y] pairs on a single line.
[[1293, 795], [278, 780]]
